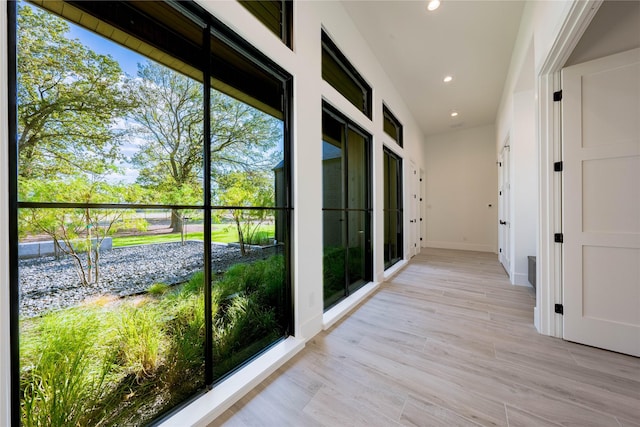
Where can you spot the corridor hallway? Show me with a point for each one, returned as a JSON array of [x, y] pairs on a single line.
[[448, 341]]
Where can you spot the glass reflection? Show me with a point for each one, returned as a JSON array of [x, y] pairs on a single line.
[[249, 285], [346, 219]]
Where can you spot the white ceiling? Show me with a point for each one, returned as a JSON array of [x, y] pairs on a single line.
[[470, 40]]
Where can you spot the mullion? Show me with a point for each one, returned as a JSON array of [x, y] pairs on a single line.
[[208, 321], [14, 308], [83, 205]]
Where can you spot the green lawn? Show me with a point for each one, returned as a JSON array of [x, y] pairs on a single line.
[[220, 234]]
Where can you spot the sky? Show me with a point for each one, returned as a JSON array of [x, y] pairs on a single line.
[[127, 59]]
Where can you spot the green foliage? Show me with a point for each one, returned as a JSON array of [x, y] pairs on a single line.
[[333, 268], [68, 100], [249, 311], [63, 368], [247, 189], [264, 234], [140, 339], [158, 289], [122, 363], [195, 284]]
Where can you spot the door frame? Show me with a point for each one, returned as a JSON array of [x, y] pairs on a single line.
[[505, 239], [549, 126]]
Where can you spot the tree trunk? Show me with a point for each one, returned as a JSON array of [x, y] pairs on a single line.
[[176, 221], [240, 236]]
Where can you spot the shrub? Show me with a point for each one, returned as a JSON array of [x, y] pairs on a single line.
[[247, 320], [158, 289], [63, 369], [140, 340]]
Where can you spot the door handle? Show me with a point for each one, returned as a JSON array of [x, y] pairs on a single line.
[[503, 222]]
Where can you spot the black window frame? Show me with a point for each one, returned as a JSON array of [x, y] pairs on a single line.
[[344, 77], [367, 210], [211, 26], [389, 154], [283, 27], [389, 121]]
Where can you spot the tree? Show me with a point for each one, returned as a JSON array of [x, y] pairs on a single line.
[[247, 189], [170, 120], [68, 100], [76, 232], [171, 123]]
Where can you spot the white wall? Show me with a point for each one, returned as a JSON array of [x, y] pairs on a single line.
[[309, 90], [614, 29], [524, 185], [461, 183]]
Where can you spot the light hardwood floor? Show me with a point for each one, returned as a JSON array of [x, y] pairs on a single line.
[[447, 342]]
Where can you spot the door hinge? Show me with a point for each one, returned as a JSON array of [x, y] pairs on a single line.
[[500, 250], [559, 308], [558, 167], [557, 96], [558, 238]]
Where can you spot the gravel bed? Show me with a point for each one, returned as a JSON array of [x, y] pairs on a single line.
[[48, 284]]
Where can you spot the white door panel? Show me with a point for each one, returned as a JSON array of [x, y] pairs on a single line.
[[601, 202]]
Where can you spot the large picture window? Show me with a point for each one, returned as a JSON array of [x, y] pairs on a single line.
[[346, 205], [152, 209], [393, 231]]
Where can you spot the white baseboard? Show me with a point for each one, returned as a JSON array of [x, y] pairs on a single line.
[[460, 246], [310, 328], [395, 269], [521, 279], [339, 310]]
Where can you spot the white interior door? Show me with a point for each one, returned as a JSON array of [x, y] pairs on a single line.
[[601, 202], [504, 200]]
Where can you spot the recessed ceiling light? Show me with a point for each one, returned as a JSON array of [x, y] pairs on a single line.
[[447, 79], [433, 5], [454, 114]]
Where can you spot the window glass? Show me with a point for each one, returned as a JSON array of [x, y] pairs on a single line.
[[274, 14], [346, 205], [339, 73], [153, 209], [393, 231], [392, 126]]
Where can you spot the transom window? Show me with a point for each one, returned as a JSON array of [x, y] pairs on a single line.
[[339, 73], [276, 15], [391, 125]]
